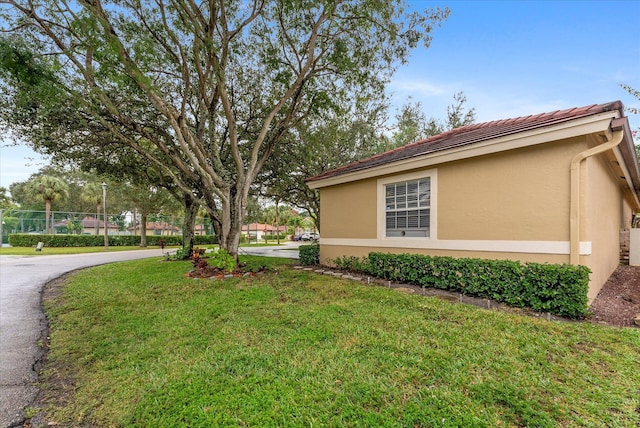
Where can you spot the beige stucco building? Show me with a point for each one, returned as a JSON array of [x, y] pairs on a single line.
[[556, 187]]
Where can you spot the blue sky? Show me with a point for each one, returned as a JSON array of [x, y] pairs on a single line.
[[509, 58], [518, 58]]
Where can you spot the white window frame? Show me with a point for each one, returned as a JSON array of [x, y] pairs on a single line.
[[432, 174]]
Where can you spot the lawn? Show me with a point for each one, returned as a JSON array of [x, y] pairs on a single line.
[[139, 344], [31, 251]]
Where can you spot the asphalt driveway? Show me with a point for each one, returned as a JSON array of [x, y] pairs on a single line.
[[22, 321]]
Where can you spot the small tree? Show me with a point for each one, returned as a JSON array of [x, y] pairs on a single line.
[[92, 193], [48, 189], [146, 200], [5, 199]]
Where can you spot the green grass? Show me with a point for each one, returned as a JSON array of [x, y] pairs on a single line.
[[149, 347], [31, 251]]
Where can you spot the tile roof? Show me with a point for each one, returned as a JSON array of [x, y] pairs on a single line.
[[88, 222], [471, 134]]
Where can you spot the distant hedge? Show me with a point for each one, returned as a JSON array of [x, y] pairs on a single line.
[[558, 289], [202, 240], [282, 237], [60, 240]]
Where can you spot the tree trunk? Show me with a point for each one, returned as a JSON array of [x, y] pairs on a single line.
[[277, 223], [97, 219], [231, 225], [135, 223], [47, 214], [190, 211], [143, 230]]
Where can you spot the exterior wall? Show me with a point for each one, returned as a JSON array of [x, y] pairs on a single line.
[[634, 247], [604, 212], [515, 195], [163, 232], [349, 211], [328, 252], [509, 205]]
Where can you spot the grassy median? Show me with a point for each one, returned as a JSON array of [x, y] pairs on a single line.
[[139, 344]]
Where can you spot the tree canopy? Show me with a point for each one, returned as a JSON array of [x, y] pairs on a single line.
[[203, 91], [324, 142]]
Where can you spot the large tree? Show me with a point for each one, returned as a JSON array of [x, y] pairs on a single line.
[[325, 141], [204, 90], [319, 143], [412, 125]]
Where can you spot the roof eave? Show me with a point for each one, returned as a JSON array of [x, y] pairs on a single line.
[[600, 122], [628, 150]]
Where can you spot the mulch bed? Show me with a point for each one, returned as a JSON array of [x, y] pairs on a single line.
[[210, 272], [618, 303]]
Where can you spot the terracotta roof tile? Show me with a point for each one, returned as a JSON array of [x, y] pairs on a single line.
[[471, 134]]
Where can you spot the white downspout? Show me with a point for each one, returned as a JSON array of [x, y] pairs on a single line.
[[575, 214]]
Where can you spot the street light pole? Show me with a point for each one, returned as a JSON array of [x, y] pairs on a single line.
[[104, 209]]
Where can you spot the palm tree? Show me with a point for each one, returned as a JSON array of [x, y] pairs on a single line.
[[92, 193], [50, 189]]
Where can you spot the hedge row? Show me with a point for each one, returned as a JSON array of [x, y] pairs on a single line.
[[309, 254], [283, 237], [558, 289], [59, 240]]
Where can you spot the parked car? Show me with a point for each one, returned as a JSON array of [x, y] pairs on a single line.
[[306, 237]]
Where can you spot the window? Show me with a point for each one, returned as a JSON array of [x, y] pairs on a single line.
[[408, 208]]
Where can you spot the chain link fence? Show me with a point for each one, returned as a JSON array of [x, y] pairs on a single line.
[[83, 223]]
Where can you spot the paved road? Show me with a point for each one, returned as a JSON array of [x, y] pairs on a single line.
[[22, 320], [289, 250]]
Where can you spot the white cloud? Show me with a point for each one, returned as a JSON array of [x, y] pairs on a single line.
[[418, 88]]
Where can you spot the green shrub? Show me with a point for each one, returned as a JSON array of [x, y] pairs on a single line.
[[179, 254], [274, 237], [221, 259], [62, 240], [352, 263], [558, 289], [309, 254], [203, 240]]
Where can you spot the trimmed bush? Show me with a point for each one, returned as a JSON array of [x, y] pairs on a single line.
[[203, 240], [352, 263], [274, 237], [31, 240], [309, 254], [558, 289], [60, 240]]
